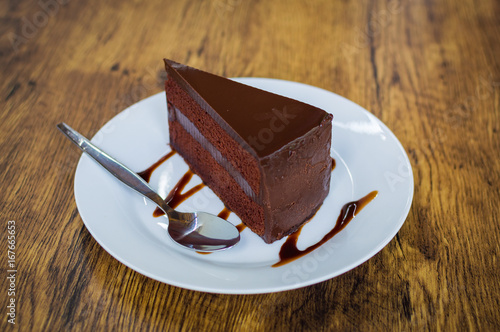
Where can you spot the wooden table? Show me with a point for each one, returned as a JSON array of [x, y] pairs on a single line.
[[430, 70]]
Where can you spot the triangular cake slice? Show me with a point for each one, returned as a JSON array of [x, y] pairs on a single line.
[[266, 156]]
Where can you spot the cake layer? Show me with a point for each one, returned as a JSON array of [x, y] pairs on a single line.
[[192, 130], [238, 157], [218, 179]]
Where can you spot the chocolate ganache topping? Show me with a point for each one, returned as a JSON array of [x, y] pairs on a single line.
[[264, 122]]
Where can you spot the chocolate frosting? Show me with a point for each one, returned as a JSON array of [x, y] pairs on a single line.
[[262, 122]]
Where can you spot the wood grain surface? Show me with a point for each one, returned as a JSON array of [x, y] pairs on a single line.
[[430, 70]]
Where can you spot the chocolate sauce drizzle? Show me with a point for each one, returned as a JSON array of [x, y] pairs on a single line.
[[146, 174], [224, 214], [176, 195], [289, 251]]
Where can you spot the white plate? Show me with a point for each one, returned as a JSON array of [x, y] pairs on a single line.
[[368, 155]]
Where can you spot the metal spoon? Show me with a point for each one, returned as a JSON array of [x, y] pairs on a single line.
[[198, 231]]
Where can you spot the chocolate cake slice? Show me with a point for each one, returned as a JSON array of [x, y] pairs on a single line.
[[266, 156]]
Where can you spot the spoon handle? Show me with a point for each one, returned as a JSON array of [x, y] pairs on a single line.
[[120, 171]]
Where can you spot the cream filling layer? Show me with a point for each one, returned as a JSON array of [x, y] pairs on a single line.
[[190, 128]]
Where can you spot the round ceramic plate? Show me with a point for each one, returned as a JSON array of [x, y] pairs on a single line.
[[368, 157]]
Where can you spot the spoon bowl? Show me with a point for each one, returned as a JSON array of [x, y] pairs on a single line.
[[198, 231], [201, 232]]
